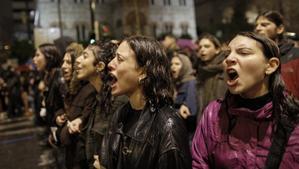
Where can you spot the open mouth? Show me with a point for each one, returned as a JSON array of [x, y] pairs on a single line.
[[232, 77], [232, 74], [112, 79]]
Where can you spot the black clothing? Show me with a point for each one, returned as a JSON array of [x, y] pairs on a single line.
[[157, 140], [254, 104], [54, 96]]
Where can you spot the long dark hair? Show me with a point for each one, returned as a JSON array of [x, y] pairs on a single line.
[[104, 52], [52, 55], [150, 55], [285, 106]]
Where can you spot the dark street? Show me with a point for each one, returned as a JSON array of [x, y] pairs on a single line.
[[19, 144]]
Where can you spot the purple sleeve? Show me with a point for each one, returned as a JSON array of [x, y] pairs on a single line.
[[203, 140]]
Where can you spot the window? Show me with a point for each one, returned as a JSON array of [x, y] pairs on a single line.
[[154, 29], [83, 32], [184, 27], [182, 2], [168, 27], [99, 1], [152, 2], [167, 2], [78, 33]]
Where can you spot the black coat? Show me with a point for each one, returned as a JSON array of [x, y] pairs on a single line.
[[158, 140]]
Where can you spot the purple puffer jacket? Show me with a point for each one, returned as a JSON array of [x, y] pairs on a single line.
[[247, 144]]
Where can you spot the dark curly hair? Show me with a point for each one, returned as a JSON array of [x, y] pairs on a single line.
[[104, 52], [52, 55], [150, 55]]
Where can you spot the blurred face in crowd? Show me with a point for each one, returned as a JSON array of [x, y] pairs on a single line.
[[176, 67], [168, 42], [67, 67], [265, 27], [39, 60], [207, 50], [125, 70], [85, 65], [245, 68]]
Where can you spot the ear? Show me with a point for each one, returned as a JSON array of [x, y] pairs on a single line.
[[100, 66], [273, 65], [218, 51], [280, 29], [142, 74]]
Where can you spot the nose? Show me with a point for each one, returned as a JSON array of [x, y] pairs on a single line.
[[111, 64], [78, 60], [230, 60], [257, 28], [63, 65]]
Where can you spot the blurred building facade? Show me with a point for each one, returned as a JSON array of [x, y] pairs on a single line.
[[23, 18], [224, 18], [112, 17], [6, 23]]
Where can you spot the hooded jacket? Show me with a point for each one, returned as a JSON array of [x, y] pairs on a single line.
[[186, 86], [246, 145]]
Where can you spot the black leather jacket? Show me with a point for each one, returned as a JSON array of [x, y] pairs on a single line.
[[158, 140]]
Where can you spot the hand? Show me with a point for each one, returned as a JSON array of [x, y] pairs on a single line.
[[74, 126], [60, 120], [96, 162], [184, 111]]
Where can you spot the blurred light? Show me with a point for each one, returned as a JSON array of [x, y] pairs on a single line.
[[92, 41], [290, 33], [6, 47], [52, 30], [32, 13]]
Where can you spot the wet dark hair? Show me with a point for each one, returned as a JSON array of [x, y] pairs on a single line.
[[151, 57], [285, 106], [104, 52], [51, 53], [212, 38]]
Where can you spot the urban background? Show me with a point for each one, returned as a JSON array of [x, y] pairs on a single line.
[[24, 24]]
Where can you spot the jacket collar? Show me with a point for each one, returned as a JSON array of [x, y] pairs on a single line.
[[140, 129], [264, 112]]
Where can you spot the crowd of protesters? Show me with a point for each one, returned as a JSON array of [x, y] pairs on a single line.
[[139, 103]]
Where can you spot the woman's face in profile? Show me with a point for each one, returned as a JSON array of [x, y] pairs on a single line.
[[85, 65], [125, 71], [66, 67], [39, 60], [245, 68]]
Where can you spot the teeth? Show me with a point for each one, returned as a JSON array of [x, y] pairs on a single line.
[[231, 71]]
